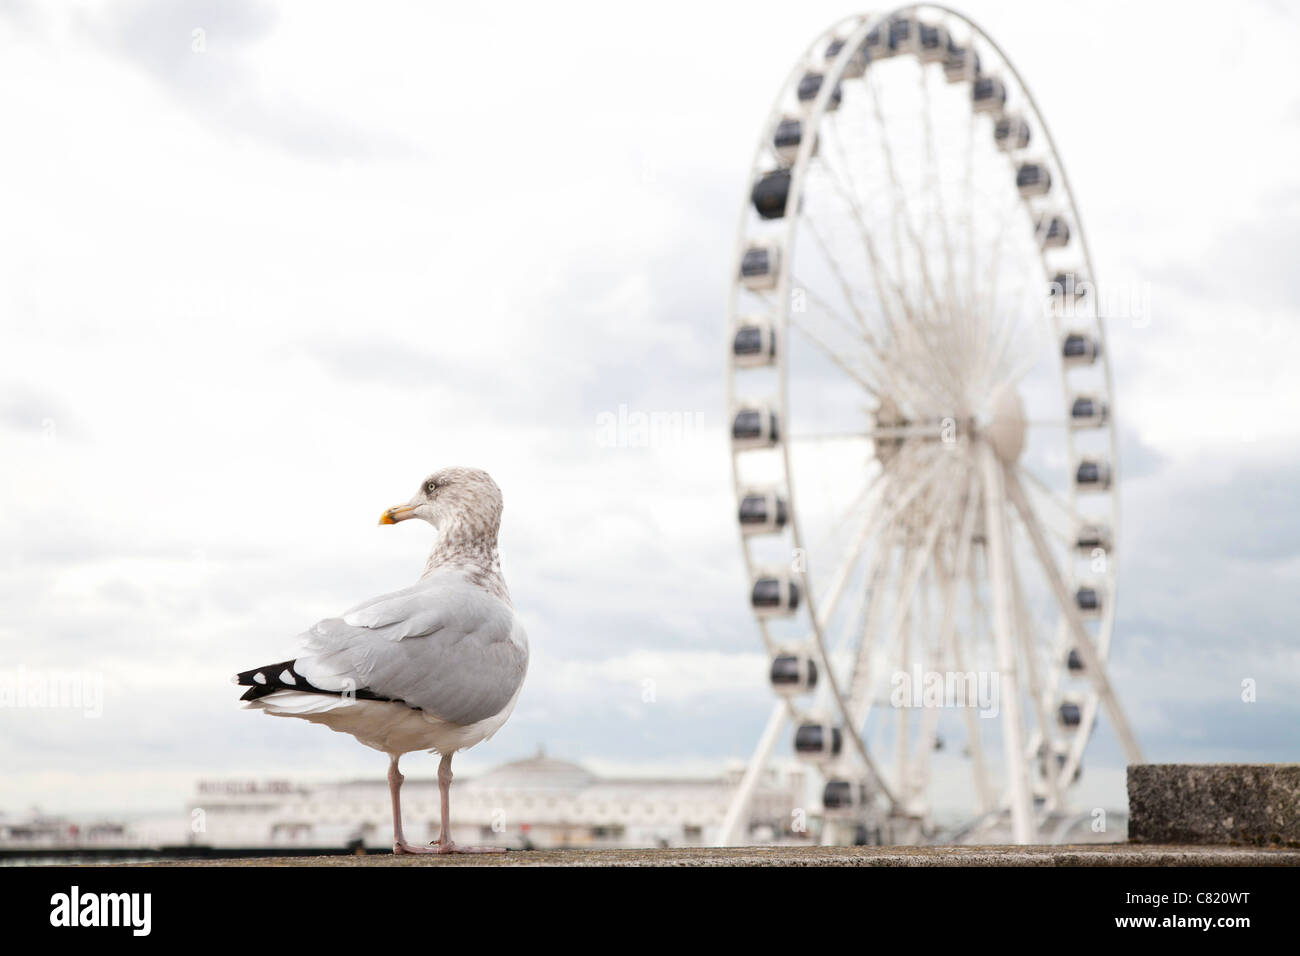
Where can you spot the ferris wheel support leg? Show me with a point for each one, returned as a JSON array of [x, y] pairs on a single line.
[[1022, 821], [948, 633], [925, 745], [979, 768], [1041, 715], [733, 824], [1083, 641], [977, 614], [902, 778]]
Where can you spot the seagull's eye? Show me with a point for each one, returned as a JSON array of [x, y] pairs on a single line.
[[430, 487]]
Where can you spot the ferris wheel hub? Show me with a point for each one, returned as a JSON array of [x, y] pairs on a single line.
[[1005, 430]]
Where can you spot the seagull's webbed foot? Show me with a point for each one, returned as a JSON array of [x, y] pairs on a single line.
[[399, 848], [450, 847]]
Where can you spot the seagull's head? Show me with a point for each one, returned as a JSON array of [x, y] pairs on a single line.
[[466, 500]]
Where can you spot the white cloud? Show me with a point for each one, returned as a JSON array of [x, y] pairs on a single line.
[[249, 300]]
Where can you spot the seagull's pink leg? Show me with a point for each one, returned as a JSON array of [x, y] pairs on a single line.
[[444, 843], [395, 779]]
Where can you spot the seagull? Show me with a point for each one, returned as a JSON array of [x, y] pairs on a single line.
[[436, 666]]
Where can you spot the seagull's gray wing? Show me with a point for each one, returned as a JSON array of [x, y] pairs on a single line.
[[443, 645]]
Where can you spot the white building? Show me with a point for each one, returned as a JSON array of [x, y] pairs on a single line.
[[539, 801]]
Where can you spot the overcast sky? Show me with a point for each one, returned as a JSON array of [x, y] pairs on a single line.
[[251, 295]]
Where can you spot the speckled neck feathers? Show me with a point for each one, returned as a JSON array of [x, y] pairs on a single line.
[[460, 548]]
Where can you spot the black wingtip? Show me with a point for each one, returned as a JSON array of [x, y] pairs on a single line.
[[261, 681]]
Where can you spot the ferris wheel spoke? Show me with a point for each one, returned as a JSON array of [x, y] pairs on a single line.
[[1063, 507], [847, 291], [1023, 368], [997, 355], [831, 437], [899, 330], [852, 556], [846, 191], [835, 357], [989, 305], [902, 215], [1021, 322], [922, 481], [851, 328], [861, 678], [880, 275], [873, 434], [1093, 662], [1060, 652], [953, 328], [878, 367], [837, 268], [875, 487], [833, 328], [968, 190], [936, 187], [918, 556], [984, 282]]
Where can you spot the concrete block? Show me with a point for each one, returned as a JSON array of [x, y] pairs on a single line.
[[1208, 804]]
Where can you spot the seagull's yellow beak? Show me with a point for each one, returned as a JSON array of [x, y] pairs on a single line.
[[397, 513]]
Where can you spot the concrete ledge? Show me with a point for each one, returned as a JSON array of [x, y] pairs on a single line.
[[1223, 804], [1105, 854]]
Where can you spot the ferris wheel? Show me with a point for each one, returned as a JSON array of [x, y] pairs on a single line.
[[923, 438]]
